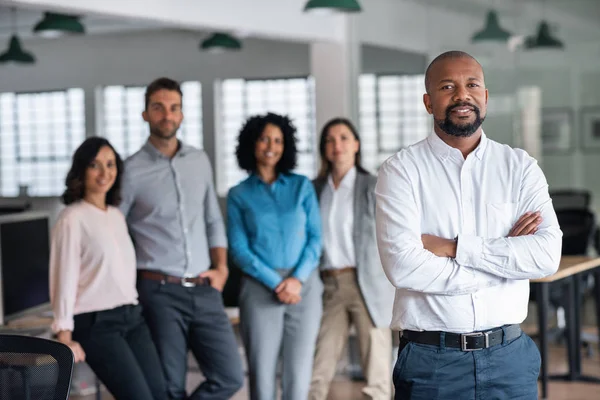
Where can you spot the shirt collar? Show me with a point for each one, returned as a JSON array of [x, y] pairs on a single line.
[[347, 181], [443, 150], [281, 178], [182, 151]]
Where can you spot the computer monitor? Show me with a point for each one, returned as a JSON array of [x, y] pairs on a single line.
[[24, 262]]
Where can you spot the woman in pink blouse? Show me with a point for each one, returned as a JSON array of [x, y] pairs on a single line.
[[93, 278]]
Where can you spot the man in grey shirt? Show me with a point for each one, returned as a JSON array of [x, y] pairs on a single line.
[[174, 219]]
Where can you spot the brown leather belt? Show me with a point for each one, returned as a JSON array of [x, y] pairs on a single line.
[[159, 276], [332, 273]]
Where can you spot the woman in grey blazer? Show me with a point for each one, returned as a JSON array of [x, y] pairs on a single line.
[[356, 290]]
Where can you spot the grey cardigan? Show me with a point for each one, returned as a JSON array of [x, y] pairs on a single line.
[[377, 291]]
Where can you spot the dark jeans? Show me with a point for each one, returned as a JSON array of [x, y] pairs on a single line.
[[180, 317], [119, 349], [507, 371]]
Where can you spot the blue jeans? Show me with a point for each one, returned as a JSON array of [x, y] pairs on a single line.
[[507, 371]]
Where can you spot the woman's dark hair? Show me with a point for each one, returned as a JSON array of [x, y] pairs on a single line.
[[252, 130], [326, 164], [84, 155]]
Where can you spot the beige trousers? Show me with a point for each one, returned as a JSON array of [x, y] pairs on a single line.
[[343, 305]]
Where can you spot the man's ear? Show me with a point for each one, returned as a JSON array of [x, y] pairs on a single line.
[[145, 115], [427, 103]]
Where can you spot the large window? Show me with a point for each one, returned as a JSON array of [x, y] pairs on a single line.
[[127, 131], [392, 115], [241, 99], [38, 135]]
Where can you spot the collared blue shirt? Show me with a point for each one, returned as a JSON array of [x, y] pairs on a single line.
[[276, 226], [172, 210]]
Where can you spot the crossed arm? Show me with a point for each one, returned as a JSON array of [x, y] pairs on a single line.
[[430, 264], [441, 247]]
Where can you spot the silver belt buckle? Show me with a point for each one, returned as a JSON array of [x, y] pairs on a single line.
[[185, 283], [464, 336]]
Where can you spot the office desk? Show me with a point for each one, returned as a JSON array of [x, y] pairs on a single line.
[[568, 274]]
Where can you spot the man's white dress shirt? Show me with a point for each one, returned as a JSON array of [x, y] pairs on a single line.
[[430, 188]]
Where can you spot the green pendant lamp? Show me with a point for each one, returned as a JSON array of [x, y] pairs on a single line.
[[492, 30], [15, 53], [333, 5], [543, 39], [53, 25], [221, 42]]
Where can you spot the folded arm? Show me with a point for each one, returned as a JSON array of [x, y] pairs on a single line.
[[407, 264], [521, 257]]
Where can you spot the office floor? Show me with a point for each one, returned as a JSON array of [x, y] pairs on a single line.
[[345, 389]]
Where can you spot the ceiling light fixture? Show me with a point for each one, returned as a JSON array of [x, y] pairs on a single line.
[[221, 42], [333, 5], [54, 25], [15, 52], [543, 39], [492, 30]]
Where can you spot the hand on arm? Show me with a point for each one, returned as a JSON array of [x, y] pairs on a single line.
[[526, 225], [532, 248], [439, 246]]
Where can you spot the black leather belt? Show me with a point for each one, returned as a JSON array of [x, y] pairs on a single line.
[[159, 276], [465, 341]]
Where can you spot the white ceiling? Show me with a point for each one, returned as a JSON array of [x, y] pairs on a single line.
[[586, 11], [26, 20]]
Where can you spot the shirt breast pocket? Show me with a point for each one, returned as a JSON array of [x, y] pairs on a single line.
[[500, 218]]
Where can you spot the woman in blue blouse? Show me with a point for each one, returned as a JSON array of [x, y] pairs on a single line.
[[274, 232]]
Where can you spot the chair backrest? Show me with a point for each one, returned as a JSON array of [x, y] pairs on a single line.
[[571, 199], [578, 227], [32, 368]]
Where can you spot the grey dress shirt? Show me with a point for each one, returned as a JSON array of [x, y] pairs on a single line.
[[172, 210]]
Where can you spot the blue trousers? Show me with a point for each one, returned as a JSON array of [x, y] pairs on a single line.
[[192, 318], [508, 371]]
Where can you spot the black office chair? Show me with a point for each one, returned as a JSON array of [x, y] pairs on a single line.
[[32, 368], [571, 199], [579, 228]]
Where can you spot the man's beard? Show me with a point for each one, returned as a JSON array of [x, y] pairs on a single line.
[[464, 130], [158, 132]]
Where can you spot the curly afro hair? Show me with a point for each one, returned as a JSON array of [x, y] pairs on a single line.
[[251, 132]]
